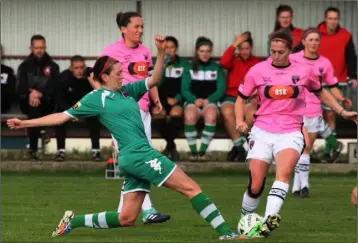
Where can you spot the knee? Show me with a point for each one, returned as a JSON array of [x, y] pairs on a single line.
[[176, 111], [126, 220], [191, 189], [227, 113], [210, 116], [190, 116]]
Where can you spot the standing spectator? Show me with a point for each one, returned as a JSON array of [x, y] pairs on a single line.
[[8, 86], [284, 17], [203, 86], [170, 97], [73, 86], [237, 65], [337, 45], [38, 75]]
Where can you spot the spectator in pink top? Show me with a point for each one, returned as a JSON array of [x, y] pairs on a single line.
[[276, 134], [313, 120], [136, 62]]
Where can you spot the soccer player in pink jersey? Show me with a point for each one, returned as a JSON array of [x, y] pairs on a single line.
[[136, 62], [313, 120], [277, 131]]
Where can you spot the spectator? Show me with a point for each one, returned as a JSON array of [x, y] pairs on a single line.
[[8, 86], [337, 45], [73, 86], [237, 65], [284, 17], [38, 75], [203, 85], [170, 97]]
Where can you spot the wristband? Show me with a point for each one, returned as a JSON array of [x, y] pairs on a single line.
[[340, 113]]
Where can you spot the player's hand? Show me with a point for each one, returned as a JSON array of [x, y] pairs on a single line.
[[205, 102], [354, 83], [34, 102], [350, 115], [172, 101], [14, 123], [347, 103], [199, 103], [160, 43], [242, 127], [240, 39], [158, 107]]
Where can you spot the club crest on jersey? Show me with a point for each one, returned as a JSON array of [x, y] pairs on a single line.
[[178, 71], [251, 144], [213, 75], [125, 94], [75, 106], [47, 71], [295, 79], [320, 69], [145, 57]]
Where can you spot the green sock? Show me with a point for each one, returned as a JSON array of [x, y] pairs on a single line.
[[208, 134], [331, 143], [102, 220], [239, 142], [191, 135], [208, 211]]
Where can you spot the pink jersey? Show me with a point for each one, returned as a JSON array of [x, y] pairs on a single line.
[[322, 68], [281, 93], [136, 64]]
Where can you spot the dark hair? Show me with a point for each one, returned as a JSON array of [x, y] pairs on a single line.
[[37, 37], [282, 8], [332, 9], [310, 30], [282, 35], [200, 41], [249, 38], [172, 39], [77, 58], [103, 65], [123, 19]]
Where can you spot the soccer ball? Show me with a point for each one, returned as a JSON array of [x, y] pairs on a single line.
[[248, 222]]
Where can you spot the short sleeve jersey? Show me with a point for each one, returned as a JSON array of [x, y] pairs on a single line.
[[118, 111], [323, 69], [281, 92]]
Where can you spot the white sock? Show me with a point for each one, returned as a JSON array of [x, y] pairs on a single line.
[[304, 170], [297, 179], [147, 203], [276, 197], [120, 205], [249, 204]]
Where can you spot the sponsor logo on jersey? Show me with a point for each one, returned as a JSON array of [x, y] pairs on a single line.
[[138, 68], [75, 106], [278, 92]]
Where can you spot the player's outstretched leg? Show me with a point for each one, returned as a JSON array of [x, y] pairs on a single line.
[[180, 182], [104, 220], [150, 214]]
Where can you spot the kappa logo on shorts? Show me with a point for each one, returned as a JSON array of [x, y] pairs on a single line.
[[155, 164]]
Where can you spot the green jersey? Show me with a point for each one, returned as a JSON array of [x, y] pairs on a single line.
[[119, 112]]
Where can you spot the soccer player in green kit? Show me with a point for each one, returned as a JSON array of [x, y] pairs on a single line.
[[117, 109]]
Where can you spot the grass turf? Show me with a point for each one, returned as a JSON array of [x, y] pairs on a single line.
[[33, 203]]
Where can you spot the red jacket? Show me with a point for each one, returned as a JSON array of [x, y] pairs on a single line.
[[237, 69], [334, 47], [296, 36]]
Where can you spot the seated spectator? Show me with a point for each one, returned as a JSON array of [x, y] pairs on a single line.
[[38, 75], [203, 85], [237, 65], [8, 86], [72, 87], [170, 97], [284, 17]]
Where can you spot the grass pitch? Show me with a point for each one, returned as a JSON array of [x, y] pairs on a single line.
[[33, 203]]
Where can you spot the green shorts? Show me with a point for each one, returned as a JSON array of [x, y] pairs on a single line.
[[142, 168], [342, 89], [232, 100]]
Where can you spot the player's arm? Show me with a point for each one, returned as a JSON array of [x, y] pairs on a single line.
[[50, 120]]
